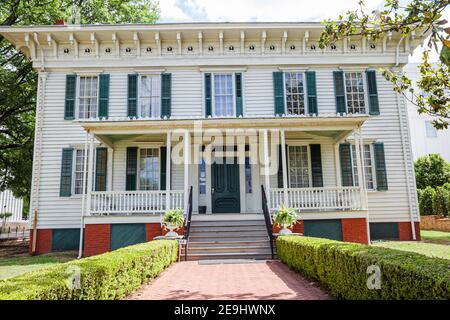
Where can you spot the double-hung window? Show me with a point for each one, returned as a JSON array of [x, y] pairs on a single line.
[[78, 171], [368, 166], [223, 94], [299, 167], [354, 92], [295, 93], [149, 169], [88, 97], [150, 96]]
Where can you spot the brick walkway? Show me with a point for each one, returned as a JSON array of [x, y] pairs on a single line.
[[260, 280]]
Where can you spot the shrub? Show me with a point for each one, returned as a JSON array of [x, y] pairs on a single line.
[[426, 201], [431, 171], [342, 267], [110, 275], [440, 201]]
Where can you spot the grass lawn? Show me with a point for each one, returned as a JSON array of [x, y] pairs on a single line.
[[435, 236], [425, 248], [11, 267]]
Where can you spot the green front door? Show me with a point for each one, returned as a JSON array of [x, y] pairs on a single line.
[[225, 187]]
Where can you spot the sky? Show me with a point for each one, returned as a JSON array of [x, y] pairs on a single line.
[[265, 10]]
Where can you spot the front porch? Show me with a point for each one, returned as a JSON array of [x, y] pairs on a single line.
[[225, 172]]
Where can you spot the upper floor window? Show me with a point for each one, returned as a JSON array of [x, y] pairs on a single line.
[[150, 96], [88, 91], [368, 166], [295, 93], [354, 91], [223, 95], [299, 166], [430, 129]]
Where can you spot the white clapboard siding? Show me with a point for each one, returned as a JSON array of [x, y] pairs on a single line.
[[9, 203]]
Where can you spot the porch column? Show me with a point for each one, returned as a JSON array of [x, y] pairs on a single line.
[[364, 188], [359, 165], [266, 165], [284, 164], [83, 196], [89, 172], [168, 170], [186, 150]]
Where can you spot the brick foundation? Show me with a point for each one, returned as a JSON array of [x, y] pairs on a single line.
[[354, 230], [43, 241], [296, 228], [96, 239], [435, 223], [153, 230], [404, 231]]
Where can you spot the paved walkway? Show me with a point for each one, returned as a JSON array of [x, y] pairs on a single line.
[[257, 280]]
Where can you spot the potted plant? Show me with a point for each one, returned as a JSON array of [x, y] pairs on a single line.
[[285, 218], [173, 219]]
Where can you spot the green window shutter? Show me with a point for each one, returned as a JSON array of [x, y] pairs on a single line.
[[374, 107], [280, 166], [328, 229], [65, 188], [131, 171], [132, 95], [316, 165], [126, 234], [103, 97], [101, 163], [208, 93], [339, 91], [166, 95], [312, 92], [380, 166], [162, 174], [239, 106], [71, 90], [278, 93], [346, 164]]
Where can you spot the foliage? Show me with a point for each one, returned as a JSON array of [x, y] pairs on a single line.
[[174, 217], [422, 17], [426, 201], [342, 268], [19, 80], [431, 170], [110, 275], [440, 202], [285, 216]]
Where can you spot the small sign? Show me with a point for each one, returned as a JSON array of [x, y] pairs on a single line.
[[182, 241]]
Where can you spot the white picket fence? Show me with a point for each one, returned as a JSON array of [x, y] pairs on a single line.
[[9, 203]]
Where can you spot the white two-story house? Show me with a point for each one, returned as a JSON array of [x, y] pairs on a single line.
[[226, 119]]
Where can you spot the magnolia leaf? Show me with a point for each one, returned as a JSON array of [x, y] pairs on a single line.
[[447, 30], [446, 42], [445, 55]]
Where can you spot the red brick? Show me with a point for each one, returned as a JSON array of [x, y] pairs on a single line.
[[354, 230], [43, 241], [96, 239], [404, 231], [297, 228], [152, 230]]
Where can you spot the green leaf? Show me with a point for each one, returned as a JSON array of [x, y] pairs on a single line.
[[445, 55]]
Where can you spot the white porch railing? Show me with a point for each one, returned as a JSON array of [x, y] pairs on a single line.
[[320, 199], [134, 202]]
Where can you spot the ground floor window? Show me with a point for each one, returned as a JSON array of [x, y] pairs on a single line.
[[78, 171], [149, 169], [368, 166], [299, 168]]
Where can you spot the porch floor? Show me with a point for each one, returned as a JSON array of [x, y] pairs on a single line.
[[257, 280]]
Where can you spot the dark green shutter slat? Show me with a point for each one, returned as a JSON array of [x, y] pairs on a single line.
[[101, 163], [208, 89], [280, 166], [65, 239], [132, 95], [374, 107], [126, 234], [71, 89], [329, 229], [166, 95], [162, 175], [65, 188], [278, 93], [339, 91], [239, 106], [316, 165], [103, 97], [380, 166], [131, 170], [384, 231], [346, 164], [312, 92]]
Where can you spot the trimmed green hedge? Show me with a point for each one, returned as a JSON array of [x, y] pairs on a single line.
[[342, 267], [110, 275]]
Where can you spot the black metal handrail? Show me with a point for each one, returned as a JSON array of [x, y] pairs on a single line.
[[187, 223], [267, 218]]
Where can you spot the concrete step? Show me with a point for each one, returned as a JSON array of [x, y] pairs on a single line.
[[215, 237], [220, 256], [231, 243], [242, 249], [228, 223], [242, 229], [228, 233]]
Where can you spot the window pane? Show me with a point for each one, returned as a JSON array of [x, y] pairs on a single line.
[[248, 176], [202, 176], [223, 95], [149, 169], [354, 85], [298, 167], [87, 107], [367, 167], [150, 96], [295, 94]]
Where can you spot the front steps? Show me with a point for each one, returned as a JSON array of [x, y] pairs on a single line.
[[228, 239]]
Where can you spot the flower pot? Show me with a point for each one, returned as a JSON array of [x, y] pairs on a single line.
[[285, 230], [171, 232]]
